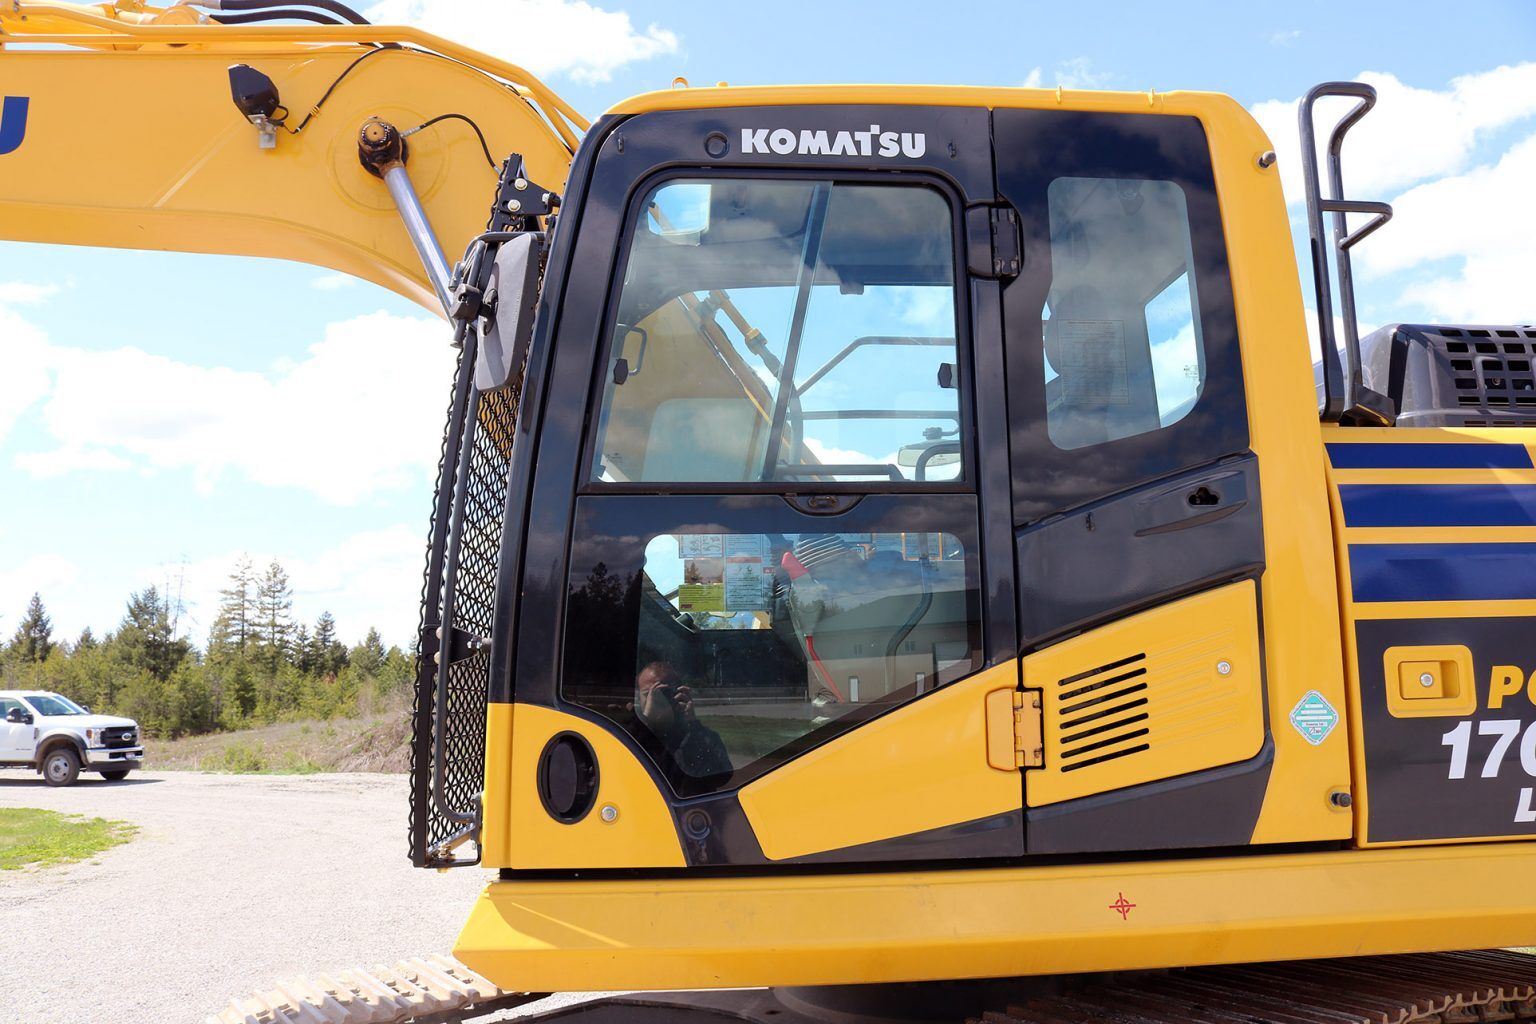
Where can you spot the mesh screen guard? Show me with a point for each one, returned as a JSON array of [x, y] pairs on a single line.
[[458, 601]]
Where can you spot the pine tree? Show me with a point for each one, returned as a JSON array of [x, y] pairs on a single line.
[[329, 655], [87, 641], [33, 641], [232, 628], [274, 605], [145, 637], [305, 658], [240, 694], [368, 656]]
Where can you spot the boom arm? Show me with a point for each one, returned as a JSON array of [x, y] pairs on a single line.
[[128, 138]]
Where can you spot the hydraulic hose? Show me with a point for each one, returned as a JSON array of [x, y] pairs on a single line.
[[339, 9], [277, 14]]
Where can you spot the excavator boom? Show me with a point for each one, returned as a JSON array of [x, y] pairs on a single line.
[[135, 142]]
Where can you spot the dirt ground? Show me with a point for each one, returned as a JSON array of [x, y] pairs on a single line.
[[233, 882]]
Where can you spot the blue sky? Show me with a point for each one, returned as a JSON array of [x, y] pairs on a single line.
[[159, 416]]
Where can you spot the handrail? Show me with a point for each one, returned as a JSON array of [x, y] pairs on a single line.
[[19, 23], [1345, 396]]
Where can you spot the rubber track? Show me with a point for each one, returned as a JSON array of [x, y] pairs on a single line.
[[437, 990], [1421, 988]]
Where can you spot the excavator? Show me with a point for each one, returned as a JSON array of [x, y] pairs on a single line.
[[894, 556]]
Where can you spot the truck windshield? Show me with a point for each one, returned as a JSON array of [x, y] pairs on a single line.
[[53, 704]]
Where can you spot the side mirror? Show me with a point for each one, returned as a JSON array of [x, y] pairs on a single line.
[[515, 284], [16, 716], [86, 708]]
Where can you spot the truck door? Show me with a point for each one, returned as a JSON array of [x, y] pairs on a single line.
[[1135, 494], [776, 588], [15, 737]]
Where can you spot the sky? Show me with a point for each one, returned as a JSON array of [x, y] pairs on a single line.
[[159, 416]]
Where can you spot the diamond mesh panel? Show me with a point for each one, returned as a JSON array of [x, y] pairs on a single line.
[[474, 575]]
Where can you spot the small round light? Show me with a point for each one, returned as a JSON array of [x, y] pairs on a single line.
[[609, 813], [1224, 668]]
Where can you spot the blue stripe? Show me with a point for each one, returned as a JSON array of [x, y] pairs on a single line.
[[1438, 504], [1443, 572], [1429, 456]]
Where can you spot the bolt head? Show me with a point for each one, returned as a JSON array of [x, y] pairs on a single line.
[[519, 183], [609, 813], [1427, 679], [513, 206], [1224, 668]]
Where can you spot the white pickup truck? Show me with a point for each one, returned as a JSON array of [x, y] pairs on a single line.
[[58, 738]]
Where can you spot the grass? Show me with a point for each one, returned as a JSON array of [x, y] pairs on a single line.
[[38, 838], [377, 742]]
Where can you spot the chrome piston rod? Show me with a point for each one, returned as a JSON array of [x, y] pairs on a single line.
[[398, 181], [382, 151]]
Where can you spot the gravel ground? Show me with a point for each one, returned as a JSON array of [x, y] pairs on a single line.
[[233, 882]]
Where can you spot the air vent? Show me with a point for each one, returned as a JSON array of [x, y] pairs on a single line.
[[1455, 376], [1165, 692], [1103, 714]]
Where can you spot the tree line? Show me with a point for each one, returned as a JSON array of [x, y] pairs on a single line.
[[258, 666]]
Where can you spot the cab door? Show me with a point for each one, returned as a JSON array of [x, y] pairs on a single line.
[[777, 590], [1137, 505]]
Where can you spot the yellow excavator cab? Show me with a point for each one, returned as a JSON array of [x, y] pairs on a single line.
[[885, 533]]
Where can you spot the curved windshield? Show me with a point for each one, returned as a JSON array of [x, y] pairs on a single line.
[[53, 704], [794, 331]]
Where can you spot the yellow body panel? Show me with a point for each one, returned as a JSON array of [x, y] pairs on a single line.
[[549, 936], [1147, 698], [922, 766], [1353, 612], [145, 150], [641, 835]]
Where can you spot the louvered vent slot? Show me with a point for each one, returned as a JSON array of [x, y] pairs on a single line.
[[1103, 714], [1491, 376]]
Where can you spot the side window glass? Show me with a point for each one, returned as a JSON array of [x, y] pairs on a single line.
[[1123, 347], [750, 647], [785, 331]]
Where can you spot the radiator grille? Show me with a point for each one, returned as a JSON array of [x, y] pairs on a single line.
[[1491, 372]]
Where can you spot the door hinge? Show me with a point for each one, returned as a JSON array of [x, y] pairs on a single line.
[[1014, 730], [995, 249], [1028, 730]]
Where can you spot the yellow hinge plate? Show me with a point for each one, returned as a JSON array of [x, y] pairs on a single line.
[[1028, 730]]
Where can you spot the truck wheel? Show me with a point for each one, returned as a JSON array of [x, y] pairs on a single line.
[[117, 776], [61, 766]]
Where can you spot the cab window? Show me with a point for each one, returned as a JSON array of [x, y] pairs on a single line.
[[724, 653], [1123, 350], [781, 331]]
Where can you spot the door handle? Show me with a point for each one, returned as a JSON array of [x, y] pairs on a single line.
[[1188, 504]]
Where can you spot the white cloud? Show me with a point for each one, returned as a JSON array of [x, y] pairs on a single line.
[[24, 375], [25, 293], [371, 579], [41, 574], [565, 37], [333, 282], [45, 465], [1462, 241], [1077, 73], [360, 414], [1412, 135], [1486, 219], [1284, 38]]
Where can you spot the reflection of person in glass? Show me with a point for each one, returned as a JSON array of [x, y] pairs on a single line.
[[666, 708]]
